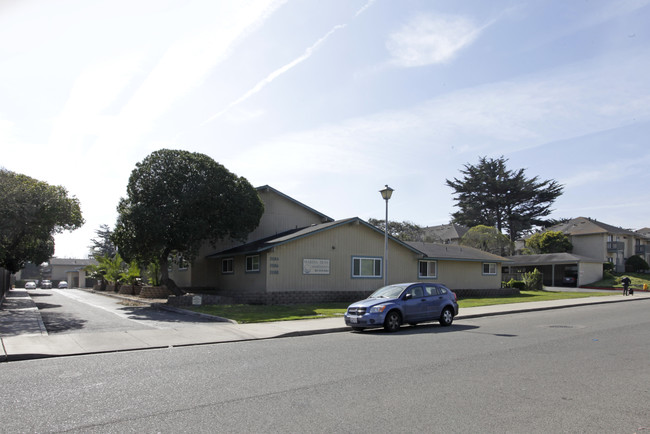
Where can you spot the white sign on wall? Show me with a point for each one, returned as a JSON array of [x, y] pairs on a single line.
[[315, 266]]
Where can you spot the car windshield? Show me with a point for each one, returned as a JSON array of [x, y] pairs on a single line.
[[391, 291]]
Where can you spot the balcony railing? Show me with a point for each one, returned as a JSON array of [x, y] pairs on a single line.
[[640, 249], [615, 246]]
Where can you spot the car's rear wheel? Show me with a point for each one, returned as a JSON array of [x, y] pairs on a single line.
[[393, 321], [446, 317]]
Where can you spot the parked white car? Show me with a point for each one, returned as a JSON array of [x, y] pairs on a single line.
[[30, 285], [63, 284]]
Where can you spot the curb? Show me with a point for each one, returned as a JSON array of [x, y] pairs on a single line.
[[543, 308], [174, 309]]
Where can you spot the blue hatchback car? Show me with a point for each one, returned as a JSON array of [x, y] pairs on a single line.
[[411, 303]]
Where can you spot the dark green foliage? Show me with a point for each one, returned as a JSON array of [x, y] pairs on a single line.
[[518, 284], [32, 213], [489, 194], [103, 245], [549, 242], [636, 264], [175, 201]]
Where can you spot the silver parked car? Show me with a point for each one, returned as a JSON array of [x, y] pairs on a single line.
[[30, 285], [63, 284], [411, 303], [46, 284]]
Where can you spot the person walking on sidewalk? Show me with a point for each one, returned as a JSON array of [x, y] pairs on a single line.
[[626, 284]]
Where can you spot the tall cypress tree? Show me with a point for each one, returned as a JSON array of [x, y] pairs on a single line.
[[492, 195]]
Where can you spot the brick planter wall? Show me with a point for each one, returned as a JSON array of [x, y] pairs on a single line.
[[155, 292], [126, 290]]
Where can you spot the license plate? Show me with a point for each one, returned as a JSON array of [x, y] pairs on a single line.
[[353, 320]]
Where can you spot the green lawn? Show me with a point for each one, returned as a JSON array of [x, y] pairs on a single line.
[[244, 313], [526, 296], [638, 280], [259, 313]]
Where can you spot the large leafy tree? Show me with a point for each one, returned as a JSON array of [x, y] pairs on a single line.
[[32, 213], [175, 201], [492, 195], [549, 242]]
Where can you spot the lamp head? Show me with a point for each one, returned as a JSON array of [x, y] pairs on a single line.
[[386, 193]]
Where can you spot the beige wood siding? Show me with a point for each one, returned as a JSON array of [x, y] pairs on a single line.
[[280, 215], [467, 275], [338, 245]]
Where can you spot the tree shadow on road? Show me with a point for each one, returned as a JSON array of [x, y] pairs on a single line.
[[58, 322]]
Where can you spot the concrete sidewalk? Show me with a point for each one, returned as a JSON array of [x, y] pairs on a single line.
[[24, 337]]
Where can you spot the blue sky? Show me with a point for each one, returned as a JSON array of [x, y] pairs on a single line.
[[328, 101]]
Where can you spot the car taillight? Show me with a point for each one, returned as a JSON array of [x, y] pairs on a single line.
[[455, 297]]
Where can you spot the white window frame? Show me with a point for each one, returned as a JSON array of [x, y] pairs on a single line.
[[490, 266], [429, 264], [227, 270], [375, 260], [252, 268]]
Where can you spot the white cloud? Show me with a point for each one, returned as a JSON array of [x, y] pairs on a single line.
[[501, 117], [431, 39]]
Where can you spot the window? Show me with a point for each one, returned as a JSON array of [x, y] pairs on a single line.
[[252, 263], [489, 269], [366, 267], [428, 269], [226, 266], [183, 265]]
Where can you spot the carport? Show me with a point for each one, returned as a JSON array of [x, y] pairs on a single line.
[[579, 270]]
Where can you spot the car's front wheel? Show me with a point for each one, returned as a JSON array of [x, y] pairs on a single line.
[[446, 317], [393, 321]]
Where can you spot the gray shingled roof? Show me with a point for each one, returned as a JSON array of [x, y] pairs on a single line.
[[587, 226], [550, 258], [446, 232], [295, 234], [455, 252]]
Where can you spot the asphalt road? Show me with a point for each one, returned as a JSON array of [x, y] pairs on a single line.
[[583, 369], [76, 311]]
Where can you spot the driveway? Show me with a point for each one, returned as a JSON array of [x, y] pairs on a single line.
[[76, 311]]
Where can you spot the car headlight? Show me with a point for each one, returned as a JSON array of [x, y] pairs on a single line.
[[378, 309]]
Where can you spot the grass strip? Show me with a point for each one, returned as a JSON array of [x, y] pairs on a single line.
[[244, 313]]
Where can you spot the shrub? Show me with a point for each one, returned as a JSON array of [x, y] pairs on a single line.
[[636, 264], [533, 280], [608, 266], [518, 284]]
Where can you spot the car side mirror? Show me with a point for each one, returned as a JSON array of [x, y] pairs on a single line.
[[408, 296]]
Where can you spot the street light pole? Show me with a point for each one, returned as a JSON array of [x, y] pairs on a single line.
[[386, 193]]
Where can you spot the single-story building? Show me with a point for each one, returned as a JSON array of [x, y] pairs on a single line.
[[559, 269], [298, 254], [70, 270]]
